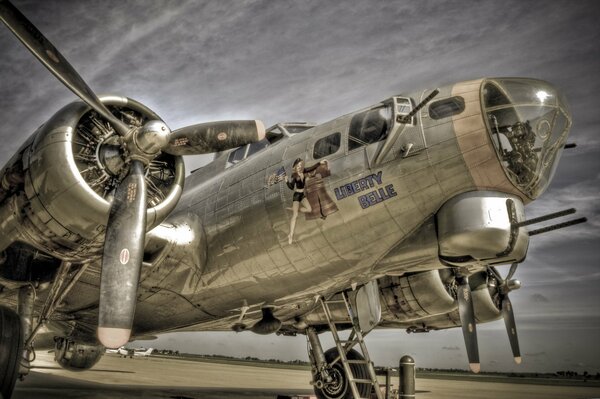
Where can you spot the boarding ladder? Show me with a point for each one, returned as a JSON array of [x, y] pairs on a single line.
[[343, 346]]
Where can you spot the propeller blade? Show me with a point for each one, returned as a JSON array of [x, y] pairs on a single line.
[[210, 137], [52, 59], [511, 272], [469, 327], [505, 286], [511, 328], [122, 259]]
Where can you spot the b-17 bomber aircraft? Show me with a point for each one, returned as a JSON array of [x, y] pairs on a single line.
[[394, 216]]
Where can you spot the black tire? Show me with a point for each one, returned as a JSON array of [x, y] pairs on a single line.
[[11, 349], [340, 388]]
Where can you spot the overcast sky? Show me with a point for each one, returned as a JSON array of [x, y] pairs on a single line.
[[315, 60]]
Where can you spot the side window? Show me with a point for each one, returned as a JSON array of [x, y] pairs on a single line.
[[369, 127], [447, 107], [257, 146], [327, 145], [236, 156], [245, 151]]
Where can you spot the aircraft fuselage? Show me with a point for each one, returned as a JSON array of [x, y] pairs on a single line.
[[383, 192]]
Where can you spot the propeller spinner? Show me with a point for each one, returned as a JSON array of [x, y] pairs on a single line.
[[126, 227]]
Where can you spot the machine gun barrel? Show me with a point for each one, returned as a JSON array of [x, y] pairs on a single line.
[[557, 226], [545, 217]]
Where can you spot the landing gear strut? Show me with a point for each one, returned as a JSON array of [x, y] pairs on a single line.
[[338, 386], [11, 350], [342, 372], [25, 311]]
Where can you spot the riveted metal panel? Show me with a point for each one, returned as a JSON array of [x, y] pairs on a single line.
[[476, 146]]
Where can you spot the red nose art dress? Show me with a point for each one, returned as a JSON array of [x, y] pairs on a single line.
[[316, 192]]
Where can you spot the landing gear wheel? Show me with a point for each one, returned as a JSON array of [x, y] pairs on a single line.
[[339, 388], [11, 350]]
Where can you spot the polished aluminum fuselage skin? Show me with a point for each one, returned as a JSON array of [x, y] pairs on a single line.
[[245, 221], [225, 245]]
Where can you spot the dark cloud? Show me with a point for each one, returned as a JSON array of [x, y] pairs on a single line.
[[316, 60]]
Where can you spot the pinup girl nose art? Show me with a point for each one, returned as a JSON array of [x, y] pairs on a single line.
[[310, 194]]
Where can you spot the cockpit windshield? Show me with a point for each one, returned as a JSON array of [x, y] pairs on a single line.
[[272, 135], [529, 122]]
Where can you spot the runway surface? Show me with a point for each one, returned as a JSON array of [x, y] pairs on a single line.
[[114, 377]]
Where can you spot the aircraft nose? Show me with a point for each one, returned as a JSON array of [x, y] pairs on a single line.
[[529, 122]]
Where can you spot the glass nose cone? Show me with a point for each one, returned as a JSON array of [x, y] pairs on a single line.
[[529, 122]]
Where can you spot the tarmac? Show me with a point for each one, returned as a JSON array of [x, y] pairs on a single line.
[[155, 377]]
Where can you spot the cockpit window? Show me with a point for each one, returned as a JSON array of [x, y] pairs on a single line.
[[529, 123], [236, 155], [257, 146], [274, 134], [404, 106], [369, 127], [327, 145], [245, 151], [447, 107]]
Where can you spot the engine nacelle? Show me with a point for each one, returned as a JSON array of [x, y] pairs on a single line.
[[427, 300], [69, 170], [486, 305], [418, 295], [486, 300], [75, 356]]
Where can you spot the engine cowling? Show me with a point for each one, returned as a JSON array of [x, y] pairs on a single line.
[[427, 300], [486, 299], [77, 356], [418, 295], [70, 169]]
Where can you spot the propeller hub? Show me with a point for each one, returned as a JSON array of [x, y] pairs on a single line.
[[150, 139], [513, 285]]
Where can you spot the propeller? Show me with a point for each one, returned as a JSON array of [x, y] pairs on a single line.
[[511, 328], [505, 286], [467, 320], [52, 59], [213, 137], [122, 258], [125, 231]]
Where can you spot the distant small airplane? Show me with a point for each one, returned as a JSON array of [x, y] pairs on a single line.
[[142, 352], [123, 351], [120, 351]]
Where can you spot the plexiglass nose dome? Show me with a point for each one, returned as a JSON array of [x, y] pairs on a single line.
[[529, 123]]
